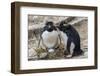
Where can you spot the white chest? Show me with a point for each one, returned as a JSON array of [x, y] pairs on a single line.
[[50, 38], [64, 38]]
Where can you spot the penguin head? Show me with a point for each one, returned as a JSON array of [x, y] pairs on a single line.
[[64, 26], [49, 26]]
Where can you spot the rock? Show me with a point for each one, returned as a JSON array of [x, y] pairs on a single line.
[[35, 54], [43, 55], [32, 54]]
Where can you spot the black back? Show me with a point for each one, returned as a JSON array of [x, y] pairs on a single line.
[[73, 36]]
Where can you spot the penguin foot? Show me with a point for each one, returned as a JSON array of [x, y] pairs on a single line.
[[69, 56]]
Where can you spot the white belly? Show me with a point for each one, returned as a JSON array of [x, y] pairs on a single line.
[[50, 38], [64, 39]]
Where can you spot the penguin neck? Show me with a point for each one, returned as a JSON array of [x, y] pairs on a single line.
[[50, 30]]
